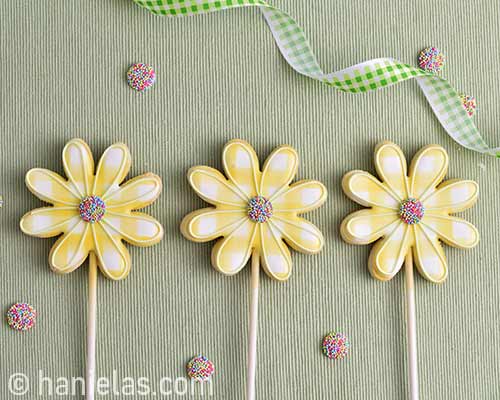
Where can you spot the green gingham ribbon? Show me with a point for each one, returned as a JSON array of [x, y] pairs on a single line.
[[366, 76]]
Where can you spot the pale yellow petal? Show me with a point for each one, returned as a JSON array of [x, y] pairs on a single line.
[[427, 170], [49, 221], [429, 255], [208, 223], [452, 196], [452, 230], [112, 169], [136, 228], [230, 254], [388, 254], [71, 249], [79, 166], [368, 191], [301, 197], [214, 188], [299, 233], [113, 257], [242, 166], [278, 171], [366, 226], [52, 188], [274, 253], [390, 163], [135, 194]]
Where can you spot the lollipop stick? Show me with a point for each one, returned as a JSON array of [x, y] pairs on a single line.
[[411, 328], [91, 321], [252, 336]]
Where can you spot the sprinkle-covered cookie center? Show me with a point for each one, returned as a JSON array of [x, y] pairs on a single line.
[[260, 209], [92, 209], [411, 211]]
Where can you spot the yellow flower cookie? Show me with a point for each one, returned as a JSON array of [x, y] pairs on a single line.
[[93, 212], [254, 210], [409, 211]]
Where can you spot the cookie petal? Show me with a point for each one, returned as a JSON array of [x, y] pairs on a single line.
[[301, 197], [427, 170], [242, 166], [368, 191], [366, 226], [49, 221], [79, 166], [112, 255], [208, 223], [112, 169], [278, 171], [275, 256], [390, 163], [429, 255], [231, 253]]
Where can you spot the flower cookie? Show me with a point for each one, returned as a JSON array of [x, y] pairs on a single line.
[[409, 212], [254, 210], [93, 212]]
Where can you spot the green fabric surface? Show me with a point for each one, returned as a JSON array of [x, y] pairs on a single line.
[[221, 76]]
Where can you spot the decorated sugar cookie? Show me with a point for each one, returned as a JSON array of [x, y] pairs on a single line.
[[94, 214], [410, 215], [254, 214], [254, 210], [409, 212]]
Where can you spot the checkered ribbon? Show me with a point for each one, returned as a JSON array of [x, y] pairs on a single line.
[[360, 78]]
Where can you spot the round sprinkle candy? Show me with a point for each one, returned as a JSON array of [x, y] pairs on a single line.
[[260, 209], [141, 77], [336, 345], [411, 211], [200, 369], [92, 209], [21, 317], [431, 59], [469, 103]]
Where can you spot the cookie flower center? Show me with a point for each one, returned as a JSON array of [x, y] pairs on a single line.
[[92, 209], [411, 211], [260, 209]]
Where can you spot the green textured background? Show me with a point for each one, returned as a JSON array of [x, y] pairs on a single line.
[[220, 76]]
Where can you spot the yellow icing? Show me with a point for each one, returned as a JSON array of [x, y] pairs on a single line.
[[382, 224], [119, 222], [229, 219]]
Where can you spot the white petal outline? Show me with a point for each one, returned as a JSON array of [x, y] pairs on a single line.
[[346, 186], [283, 249], [57, 246], [55, 231], [420, 232], [120, 174], [450, 240], [310, 229], [132, 204], [247, 148], [216, 175], [88, 170], [57, 179], [139, 217], [190, 218], [290, 173], [382, 172], [378, 248], [296, 187], [438, 175], [119, 247], [451, 207], [219, 248], [351, 237]]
